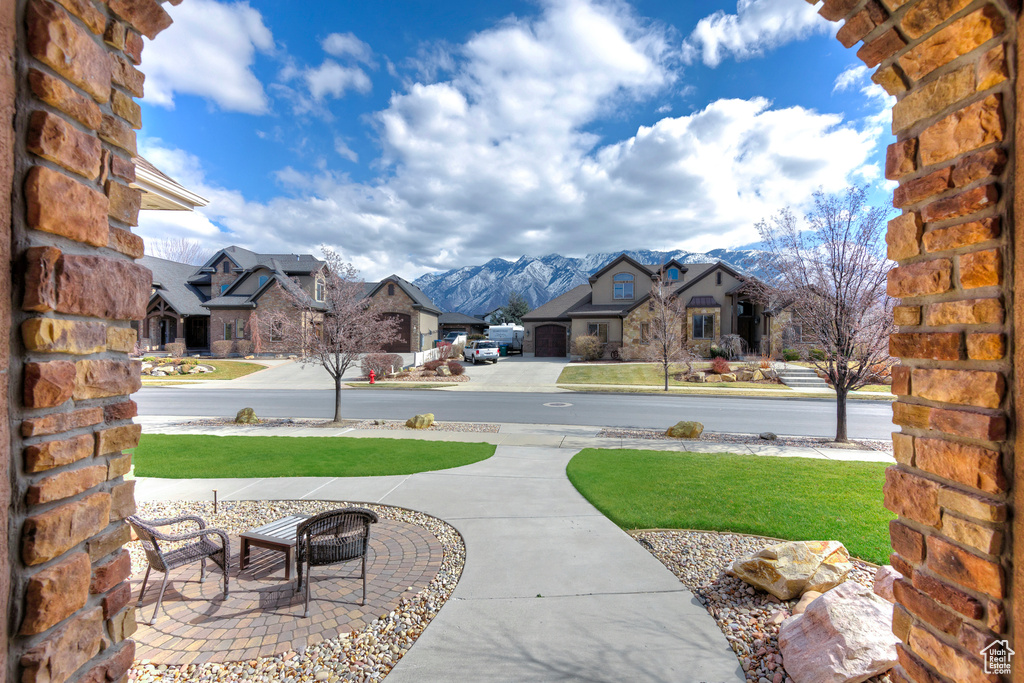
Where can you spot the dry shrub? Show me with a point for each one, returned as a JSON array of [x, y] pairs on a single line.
[[456, 367], [432, 365], [380, 363], [765, 362], [720, 366], [176, 349], [221, 349], [588, 347], [243, 346]]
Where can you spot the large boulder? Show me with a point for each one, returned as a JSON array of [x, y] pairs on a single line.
[[729, 377], [420, 421], [787, 570], [685, 429], [247, 416], [845, 636], [695, 377], [713, 378], [758, 376], [744, 375], [443, 371]]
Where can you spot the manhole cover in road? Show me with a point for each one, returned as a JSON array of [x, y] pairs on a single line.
[[557, 404]]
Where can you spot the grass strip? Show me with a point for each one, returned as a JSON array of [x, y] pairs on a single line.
[[222, 369], [799, 499], [203, 456]]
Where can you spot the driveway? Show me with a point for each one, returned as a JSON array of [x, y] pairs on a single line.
[[514, 374]]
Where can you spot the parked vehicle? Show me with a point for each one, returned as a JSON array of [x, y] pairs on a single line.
[[509, 334], [477, 351], [455, 337]]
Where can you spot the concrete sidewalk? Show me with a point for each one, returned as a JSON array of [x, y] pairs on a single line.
[[512, 434], [551, 590]]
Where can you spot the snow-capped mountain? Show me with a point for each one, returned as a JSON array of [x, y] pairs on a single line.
[[480, 289]]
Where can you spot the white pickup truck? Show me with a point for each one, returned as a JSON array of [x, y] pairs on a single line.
[[479, 350]]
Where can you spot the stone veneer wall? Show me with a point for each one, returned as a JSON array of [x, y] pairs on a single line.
[[949, 64], [75, 290]]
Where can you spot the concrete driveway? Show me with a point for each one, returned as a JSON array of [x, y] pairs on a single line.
[[514, 373]]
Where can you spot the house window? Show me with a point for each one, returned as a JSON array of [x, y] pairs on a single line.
[[599, 330], [226, 267], [391, 289], [224, 288], [276, 331], [672, 274], [229, 331], [718, 278], [240, 328], [704, 326], [793, 334], [623, 286], [645, 333], [263, 279], [321, 288]]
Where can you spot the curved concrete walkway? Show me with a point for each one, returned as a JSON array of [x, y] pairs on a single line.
[[551, 591]]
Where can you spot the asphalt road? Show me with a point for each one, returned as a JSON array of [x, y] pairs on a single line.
[[804, 417]]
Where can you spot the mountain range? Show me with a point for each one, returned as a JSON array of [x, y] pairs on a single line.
[[476, 290]]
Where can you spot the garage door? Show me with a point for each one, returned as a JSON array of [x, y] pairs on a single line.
[[549, 341], [403, 339]]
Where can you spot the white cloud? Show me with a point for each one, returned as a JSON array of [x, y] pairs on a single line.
[[342, 44], [850, 77], [758, 25], [497, 160], [345, 151], [332, 79], [209, 51]]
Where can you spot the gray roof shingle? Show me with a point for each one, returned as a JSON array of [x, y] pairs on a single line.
[[170, 282]]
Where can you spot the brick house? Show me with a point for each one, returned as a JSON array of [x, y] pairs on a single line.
[[214, 302], [416, 314], [613, 307]]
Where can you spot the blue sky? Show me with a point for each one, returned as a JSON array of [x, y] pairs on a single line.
[[416, 135]]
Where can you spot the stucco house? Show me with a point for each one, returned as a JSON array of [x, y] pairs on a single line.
[[613, 306]]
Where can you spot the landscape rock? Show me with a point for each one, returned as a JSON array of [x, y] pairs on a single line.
[[744, 375], [758, 376], [246, 416], [729, 377], [845, 636], [885, 577], [768, 436], [787, 570], [805, 601], [713, 378], [420, 421], [159, 373], [443, 371], [685, 429], [695, 377]]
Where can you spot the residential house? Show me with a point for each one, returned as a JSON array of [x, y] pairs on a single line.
[[416, 314], [614, 307], [460, 322]]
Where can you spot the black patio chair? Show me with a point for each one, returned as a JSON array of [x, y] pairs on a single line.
[[189, 553], [330, 538]]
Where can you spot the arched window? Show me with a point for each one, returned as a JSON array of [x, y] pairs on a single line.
[[672, 273], [623, 286]]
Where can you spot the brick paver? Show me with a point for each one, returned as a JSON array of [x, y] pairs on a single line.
[[262, 611]]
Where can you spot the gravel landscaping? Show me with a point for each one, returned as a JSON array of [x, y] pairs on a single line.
[[393, 425], [883, 445], [749, 618], [364, 655]]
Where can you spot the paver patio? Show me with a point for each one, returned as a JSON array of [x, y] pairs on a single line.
[[262, 614]]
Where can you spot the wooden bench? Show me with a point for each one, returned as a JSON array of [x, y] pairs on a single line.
[[278, 535]]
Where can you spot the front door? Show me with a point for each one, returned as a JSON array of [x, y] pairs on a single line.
[[197, 332]]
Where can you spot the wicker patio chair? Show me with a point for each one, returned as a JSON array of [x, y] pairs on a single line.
[[188, 553], [330, 538]]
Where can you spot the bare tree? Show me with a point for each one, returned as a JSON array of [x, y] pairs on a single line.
[[830, 272], [663, 333], [178, 249], [334, 332], [259, 330]]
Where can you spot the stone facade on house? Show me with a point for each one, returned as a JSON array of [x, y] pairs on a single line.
[[416, 314]]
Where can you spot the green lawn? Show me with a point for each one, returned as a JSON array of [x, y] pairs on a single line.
[[884, 388], [210, 457], [641, 374], [223, 369], [793, 498]]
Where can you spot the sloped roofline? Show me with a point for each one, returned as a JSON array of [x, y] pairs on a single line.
[[406, 287], [616, 261], [719, 265]]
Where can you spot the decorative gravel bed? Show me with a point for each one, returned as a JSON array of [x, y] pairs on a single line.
[[364, 655], [749, 618], [350, 424], [883, 445]]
